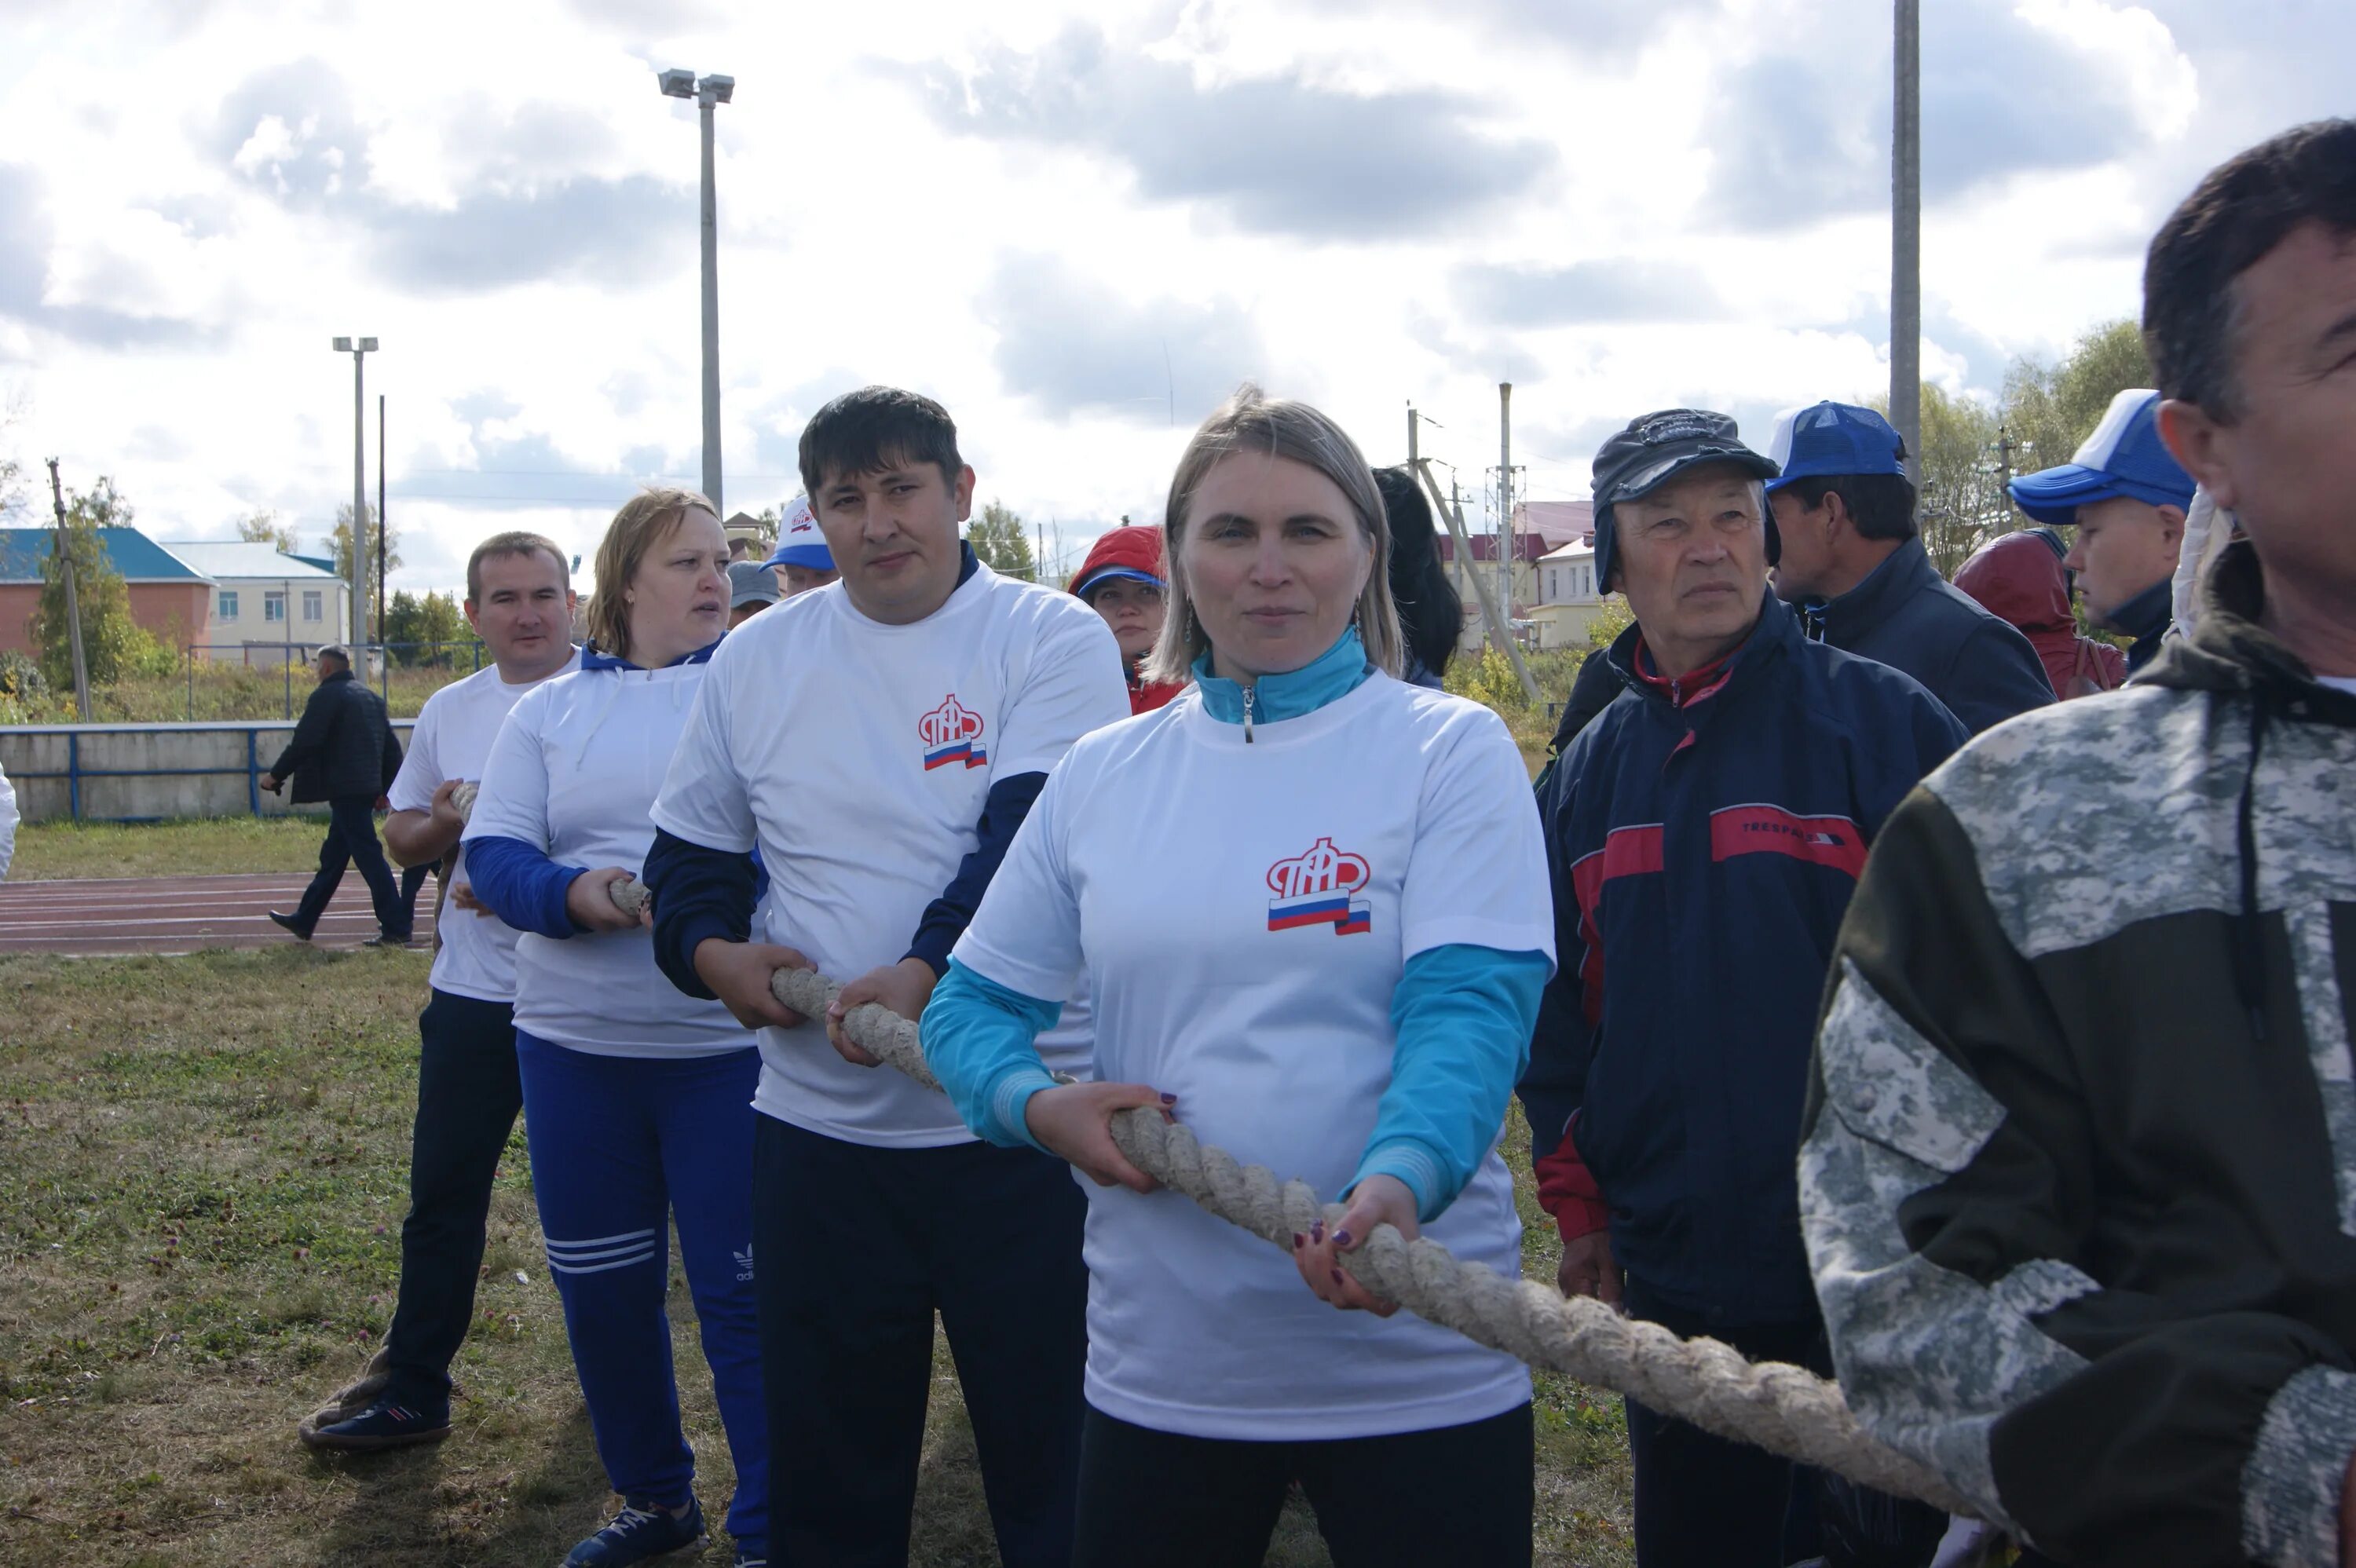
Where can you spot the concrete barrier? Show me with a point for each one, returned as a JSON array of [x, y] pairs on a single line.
[[146, 773]]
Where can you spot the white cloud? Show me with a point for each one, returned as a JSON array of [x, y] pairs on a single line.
[[1363, 201]]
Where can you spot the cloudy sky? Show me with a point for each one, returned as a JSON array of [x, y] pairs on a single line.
[[1076, 224]]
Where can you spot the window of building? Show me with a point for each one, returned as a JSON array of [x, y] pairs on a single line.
[[274, 606], [226, 607], [310, 603]]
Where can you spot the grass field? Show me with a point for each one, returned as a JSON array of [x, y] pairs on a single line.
[[215, 847], [202, 1169]]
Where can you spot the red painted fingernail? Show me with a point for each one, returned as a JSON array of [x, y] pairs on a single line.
[[1341, 1238], [1298, 1240], [1168, 1099], [1337, 1277], [1317, 1232]]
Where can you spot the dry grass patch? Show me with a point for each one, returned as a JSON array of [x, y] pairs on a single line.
[[203, 1167]]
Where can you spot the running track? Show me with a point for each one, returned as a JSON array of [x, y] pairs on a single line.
[[103, 917]]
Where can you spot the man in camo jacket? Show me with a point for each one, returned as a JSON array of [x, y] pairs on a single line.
[[2079, 1172]]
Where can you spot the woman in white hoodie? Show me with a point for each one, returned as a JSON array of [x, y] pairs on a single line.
[[638, 1100]]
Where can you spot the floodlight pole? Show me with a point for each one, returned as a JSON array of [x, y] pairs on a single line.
[[1906, 231], [709, 94], [359, 348]]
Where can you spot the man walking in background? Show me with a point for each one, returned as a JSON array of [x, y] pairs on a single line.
[[344, 753], [520, 603]]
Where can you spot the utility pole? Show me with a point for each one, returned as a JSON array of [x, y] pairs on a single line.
[[385, 684], [359, 349], [708, 94], [1505, 496], [73, 599], [1906, 231], [1451, 512]]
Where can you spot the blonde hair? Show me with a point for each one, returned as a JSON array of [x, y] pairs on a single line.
[[1250, 421], [645, 520]]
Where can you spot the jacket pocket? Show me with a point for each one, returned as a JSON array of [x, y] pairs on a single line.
[[1890, 1085]]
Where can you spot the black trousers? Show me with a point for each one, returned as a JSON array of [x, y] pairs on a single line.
[[1703, 1501], [467, 1097], [858, 1247], [411, 879], [351, 840], [1460, 1496]]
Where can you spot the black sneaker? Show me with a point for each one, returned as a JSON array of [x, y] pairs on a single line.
[[287, 922], [386, 1424], [642, 1531], [387, 939]]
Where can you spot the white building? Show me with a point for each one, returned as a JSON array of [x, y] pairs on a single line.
[[263, 602], [1568, 595]]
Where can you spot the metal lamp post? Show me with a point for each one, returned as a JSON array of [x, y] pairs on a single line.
[[359, 349], [707, 93]]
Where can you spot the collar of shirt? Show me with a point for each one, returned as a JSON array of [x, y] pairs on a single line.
[[591, 659], [1335, 673]]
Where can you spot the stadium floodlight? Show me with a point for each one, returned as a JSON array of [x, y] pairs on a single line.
[[344, 346], [677, 83], [722, 88], [367, 344]]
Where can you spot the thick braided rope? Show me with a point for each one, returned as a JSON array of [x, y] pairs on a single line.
[[1783, 1409]]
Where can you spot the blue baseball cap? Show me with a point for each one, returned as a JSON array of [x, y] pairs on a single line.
[[1834, 439], [800, 543], [2125, 456]]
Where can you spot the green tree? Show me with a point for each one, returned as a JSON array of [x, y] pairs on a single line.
[[429, 626], [2053, 408], [997, 537], [264, 528], [340, 543], [114, 645]]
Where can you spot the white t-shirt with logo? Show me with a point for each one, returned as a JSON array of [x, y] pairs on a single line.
[[858, 756], [573, 772], [1241, 915], [451, 739]]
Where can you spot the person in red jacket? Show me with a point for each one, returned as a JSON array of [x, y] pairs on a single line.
[[1123, 580], [2019, 577]]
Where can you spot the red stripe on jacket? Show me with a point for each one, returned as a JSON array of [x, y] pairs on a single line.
[[1755, 829], [1567, 1191]]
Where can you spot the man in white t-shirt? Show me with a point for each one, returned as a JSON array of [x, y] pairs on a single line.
[[880, 740], [521, 602]]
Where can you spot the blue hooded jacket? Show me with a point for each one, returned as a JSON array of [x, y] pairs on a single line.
[[1703, 837]]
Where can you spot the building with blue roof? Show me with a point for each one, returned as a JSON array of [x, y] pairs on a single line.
[[170, 598]]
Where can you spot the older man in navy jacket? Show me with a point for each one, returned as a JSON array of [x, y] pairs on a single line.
[[1850, 558], [1704, 835]]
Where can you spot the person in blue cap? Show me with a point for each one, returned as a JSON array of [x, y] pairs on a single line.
[[1853, 563], [1702, 838], [801, 559], [2129, 496]]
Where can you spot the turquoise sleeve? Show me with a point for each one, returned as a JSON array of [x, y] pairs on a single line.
[[977, 1035], [1463, 1015]]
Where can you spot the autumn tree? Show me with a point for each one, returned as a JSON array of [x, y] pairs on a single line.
[[264, 528]]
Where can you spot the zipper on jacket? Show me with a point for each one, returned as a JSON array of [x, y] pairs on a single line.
[[1248, 715]]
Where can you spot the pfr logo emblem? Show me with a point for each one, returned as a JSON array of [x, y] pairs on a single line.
[[1321, 888], [952, 733]]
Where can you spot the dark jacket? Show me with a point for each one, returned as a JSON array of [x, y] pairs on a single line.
[[2018, 577], [2079, 1175], [1703, 836], [2144, 618], [1909, 617], [343, 744]]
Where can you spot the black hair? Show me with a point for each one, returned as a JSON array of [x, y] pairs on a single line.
[[870, 430], [1431, 614], [1881, 504], [2246, 207]]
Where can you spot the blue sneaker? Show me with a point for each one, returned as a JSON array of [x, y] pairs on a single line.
[[387, 1423], [642, 1531]]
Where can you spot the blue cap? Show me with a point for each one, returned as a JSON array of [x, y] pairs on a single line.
[[2125, 456], [800, 543], [1833, 439]]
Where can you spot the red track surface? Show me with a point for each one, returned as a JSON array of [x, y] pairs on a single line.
[[95, 917]]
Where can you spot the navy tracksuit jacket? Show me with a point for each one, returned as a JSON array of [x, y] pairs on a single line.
[[1703, 836]]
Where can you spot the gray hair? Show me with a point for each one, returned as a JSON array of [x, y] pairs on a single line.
[[1250, 421]]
